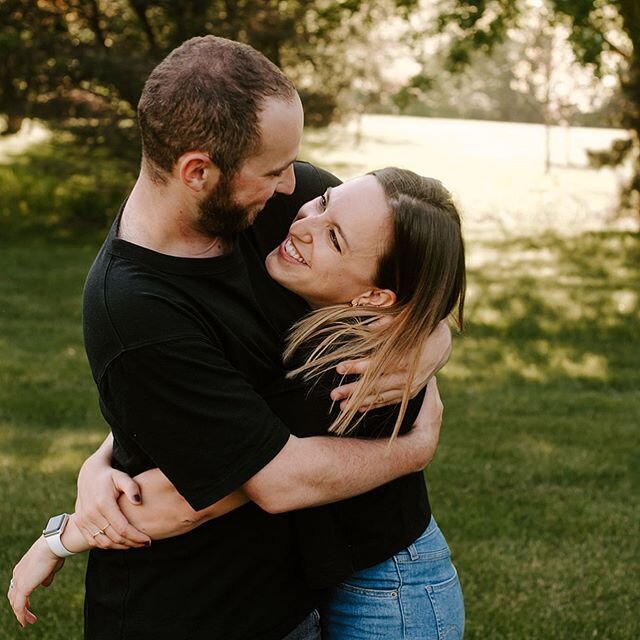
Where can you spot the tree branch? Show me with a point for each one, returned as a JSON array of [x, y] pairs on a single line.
[[139, 8], [94, 22], [613, 47]]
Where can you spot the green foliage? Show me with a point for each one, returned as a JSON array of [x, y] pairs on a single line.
[[90, 59], [66, 188], [475, 24], [535, 482]]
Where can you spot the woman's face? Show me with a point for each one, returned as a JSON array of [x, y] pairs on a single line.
[[332, 251]]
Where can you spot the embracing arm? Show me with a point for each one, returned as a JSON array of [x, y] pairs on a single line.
[[319, 470], [164, 513], [389, 388]]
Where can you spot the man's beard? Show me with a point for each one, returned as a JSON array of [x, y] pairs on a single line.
[[220, 216]]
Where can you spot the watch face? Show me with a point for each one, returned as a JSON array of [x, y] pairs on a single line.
[[54, 524]]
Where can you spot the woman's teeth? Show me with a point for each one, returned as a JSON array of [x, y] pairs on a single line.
[[291, 251]]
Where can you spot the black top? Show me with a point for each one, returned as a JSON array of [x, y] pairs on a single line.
[[337, 539], [180, 349]]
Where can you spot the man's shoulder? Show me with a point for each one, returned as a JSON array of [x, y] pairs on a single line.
[[133, 304], [309, 176]]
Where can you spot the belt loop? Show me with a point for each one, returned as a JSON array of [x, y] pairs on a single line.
[[413, 552]]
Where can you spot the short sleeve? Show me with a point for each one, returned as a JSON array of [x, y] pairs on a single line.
[[195, 415]]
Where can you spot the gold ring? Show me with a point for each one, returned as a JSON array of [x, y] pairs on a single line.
[[101, 531]]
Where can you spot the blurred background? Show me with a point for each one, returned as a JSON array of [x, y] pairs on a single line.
[[528, 110]]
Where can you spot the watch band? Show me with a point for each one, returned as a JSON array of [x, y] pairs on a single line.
[[52, 533], [56, 546]]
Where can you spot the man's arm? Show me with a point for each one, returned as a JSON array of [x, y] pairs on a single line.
[[307, 472], [319, 470]]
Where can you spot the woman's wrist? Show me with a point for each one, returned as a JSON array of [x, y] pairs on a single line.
[[44, 549], [72, 537]]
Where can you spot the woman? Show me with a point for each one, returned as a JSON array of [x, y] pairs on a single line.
[[380, 262]]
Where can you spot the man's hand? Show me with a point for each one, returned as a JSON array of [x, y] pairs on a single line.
[[98, 515], [36, 568], [389, 388]]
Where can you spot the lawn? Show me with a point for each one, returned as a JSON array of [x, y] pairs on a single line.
[[536, 480]]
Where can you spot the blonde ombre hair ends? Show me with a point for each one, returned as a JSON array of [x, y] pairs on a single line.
[[424, 265]]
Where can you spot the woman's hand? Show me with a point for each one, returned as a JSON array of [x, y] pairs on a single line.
[[388, 388], [98, 515], [426, 429], [165, 513], [37, 567]]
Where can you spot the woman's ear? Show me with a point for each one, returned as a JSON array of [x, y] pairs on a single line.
[[197, 172], [375, 298]]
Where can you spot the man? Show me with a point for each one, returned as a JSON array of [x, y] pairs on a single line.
[[182, 329]]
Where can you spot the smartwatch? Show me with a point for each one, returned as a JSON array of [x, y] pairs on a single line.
[[52, 532]]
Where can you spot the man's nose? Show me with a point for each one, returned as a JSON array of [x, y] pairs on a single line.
[[287, 182]]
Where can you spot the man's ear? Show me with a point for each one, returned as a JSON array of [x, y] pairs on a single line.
[[196, 171], [375, 298]]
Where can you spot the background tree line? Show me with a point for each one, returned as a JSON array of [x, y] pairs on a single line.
[[80, 64]]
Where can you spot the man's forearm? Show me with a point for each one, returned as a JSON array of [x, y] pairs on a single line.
[[314, 471]]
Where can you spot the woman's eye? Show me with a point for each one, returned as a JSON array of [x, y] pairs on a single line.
[[334, 240], [323, 202]]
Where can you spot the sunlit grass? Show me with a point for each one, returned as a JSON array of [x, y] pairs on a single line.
[[536, 482]]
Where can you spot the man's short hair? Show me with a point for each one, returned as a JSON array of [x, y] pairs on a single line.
[[206, 95]]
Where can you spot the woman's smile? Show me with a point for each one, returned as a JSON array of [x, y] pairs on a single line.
[[338, 238], [289, 253]]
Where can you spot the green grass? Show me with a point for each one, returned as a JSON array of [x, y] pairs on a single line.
[[535, 482]]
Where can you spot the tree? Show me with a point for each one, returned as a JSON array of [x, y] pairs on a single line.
[[601, 32], [88, 59]]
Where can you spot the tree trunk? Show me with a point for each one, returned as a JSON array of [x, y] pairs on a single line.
[[630, 11], [631, 87], [14, 123]]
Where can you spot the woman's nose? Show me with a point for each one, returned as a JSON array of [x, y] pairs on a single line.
[[302, 228]]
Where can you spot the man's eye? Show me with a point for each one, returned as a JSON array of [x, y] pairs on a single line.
[[334, 240]]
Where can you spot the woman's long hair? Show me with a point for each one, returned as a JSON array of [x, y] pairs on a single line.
[[424, 265]]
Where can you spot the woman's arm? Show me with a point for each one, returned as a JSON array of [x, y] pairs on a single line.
[[99, 487], [164, 514], [389, 388]]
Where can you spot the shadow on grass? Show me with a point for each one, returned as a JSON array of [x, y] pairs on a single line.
[[555, 310]]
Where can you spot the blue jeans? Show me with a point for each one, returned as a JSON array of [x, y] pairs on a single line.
[[415, 595]]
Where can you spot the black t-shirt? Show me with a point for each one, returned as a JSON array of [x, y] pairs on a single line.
[[180, 350], [337, 539]]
